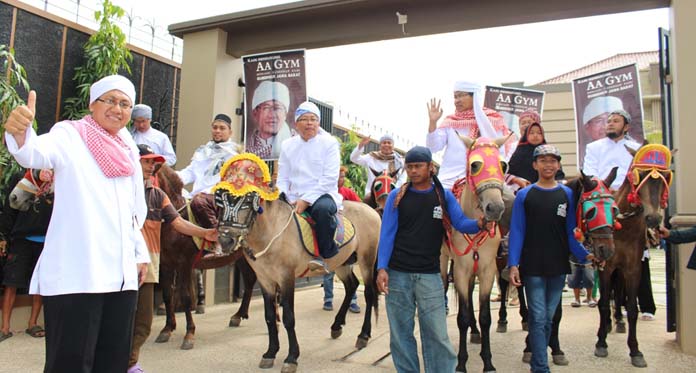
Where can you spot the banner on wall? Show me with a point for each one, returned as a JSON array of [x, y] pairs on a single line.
[[597, 95], [511, 102], [275, 85]]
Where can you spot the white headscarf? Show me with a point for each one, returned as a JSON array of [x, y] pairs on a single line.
[[485, 127], [109, 83]]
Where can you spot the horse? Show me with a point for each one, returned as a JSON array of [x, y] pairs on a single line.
[[641, 200], [483, 195], [382, 185], [179, 256], [252, 219]]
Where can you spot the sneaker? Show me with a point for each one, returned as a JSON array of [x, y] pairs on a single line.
[[328, 306], [575, 304], [560, 359], [317, 265], [354, 307], [647, 316], [135, 369]]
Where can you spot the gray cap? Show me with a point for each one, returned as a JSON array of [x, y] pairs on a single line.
[[623, 113], [141, 111]]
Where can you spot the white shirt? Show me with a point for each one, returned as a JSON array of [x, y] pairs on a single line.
[[604, 154], [207, 160], [453, 165], [93, 241], [158, 141], [309, 169], [371, 162]]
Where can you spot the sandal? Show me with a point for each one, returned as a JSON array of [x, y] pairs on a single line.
[[646, 316], [592, 303], [575, 304], [4, 336], [36, 331]]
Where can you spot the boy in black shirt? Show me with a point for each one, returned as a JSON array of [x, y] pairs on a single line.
[[541, 236]]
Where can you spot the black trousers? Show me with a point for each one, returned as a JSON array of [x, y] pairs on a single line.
[[89, 333], [646, 302]]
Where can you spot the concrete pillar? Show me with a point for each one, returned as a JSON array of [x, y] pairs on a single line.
[[208, 87], [683, 60]]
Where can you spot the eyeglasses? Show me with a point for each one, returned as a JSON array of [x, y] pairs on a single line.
[[312, 120], [124, 105], [277, 108]]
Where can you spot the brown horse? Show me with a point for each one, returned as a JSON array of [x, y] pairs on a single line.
[[178, 257], [641, 200], [383, 183], [265, 232], [474, 256]]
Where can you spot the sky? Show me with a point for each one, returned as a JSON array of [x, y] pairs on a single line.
[[388, 83]]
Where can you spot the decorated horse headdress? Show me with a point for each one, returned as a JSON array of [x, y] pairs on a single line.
[[655, 160], [597, 209], [486, 166], [244, 175]]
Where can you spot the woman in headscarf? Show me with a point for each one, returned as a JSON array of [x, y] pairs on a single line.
[[521, 170]]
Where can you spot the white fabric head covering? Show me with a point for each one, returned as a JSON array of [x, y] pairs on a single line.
[[109, 83], [269, 90], [386, 137], [600, 105], [307, 107], [485, 127], [141, 111]]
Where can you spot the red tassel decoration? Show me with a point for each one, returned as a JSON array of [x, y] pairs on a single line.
[[578, 235], [617, 226]]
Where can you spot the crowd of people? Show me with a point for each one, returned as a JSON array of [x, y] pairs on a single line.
[[85, 239]]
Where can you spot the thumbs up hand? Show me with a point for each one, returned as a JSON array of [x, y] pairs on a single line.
[[22, 117]]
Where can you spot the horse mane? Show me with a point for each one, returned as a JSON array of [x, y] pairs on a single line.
[[171, 184]]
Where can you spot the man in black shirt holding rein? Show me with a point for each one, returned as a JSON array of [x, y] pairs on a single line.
[[409, 264]]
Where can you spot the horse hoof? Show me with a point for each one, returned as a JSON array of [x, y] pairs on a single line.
[[475, 338], [621, 328], [560, 359], [361, 343], [200, 309], [601, 352], [526, 357], [235, 321], [266, 363], [161, 311], [336, 333], [163, 337], [289, 368], [639, 361], [187, 344], [525, 326], [502, 328]]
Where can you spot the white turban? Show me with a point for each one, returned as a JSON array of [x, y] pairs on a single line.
[[269, 90], [307, 107], [485, 127], [600, 105], [141, 111], [109, 83]]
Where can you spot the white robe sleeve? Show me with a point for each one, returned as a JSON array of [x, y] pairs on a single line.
[[436, 140], [38, 151]]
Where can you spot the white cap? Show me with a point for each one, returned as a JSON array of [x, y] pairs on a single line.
[[109, 83], [307, 107], [269, 90], [600, 105]]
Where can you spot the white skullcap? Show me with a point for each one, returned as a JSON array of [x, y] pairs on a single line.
[[269, 90], [307, 107], [141, 111], [109, 83], [485, 127], [601, 105], [386, 137]]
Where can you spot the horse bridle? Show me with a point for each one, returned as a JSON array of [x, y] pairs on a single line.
[[231, 211]]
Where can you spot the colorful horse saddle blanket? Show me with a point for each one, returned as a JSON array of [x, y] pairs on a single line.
[[345, 231]]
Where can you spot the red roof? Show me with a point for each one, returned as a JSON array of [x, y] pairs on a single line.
[[642, 59]]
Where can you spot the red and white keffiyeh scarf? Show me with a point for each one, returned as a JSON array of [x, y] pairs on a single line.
[[464, 122], [109, 151]]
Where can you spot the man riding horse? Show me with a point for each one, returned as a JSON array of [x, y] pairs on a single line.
[[379, 161], [308, 172]]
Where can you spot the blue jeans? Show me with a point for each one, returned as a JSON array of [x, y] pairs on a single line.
[[328, 289], [543, 295], [323, 212], [424, 291]]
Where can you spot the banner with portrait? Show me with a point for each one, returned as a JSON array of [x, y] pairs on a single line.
[[597, 95], [511, 102], [275, 85]]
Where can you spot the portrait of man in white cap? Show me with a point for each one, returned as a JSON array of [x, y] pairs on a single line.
[[594, 117], [269, 114]]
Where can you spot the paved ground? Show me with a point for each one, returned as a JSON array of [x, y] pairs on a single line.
[[222, 349]]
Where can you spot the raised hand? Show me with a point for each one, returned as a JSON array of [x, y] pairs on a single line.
[[434, 110], [364, 141], [21, 118]]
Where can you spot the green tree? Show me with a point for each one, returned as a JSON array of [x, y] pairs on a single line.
[[106, 53], [13, 75], [356, 177]]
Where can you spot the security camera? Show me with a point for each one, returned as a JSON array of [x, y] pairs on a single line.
[[401, 18]]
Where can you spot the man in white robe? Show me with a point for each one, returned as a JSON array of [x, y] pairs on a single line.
[[143, 133], [94, 256], [384, 159]]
